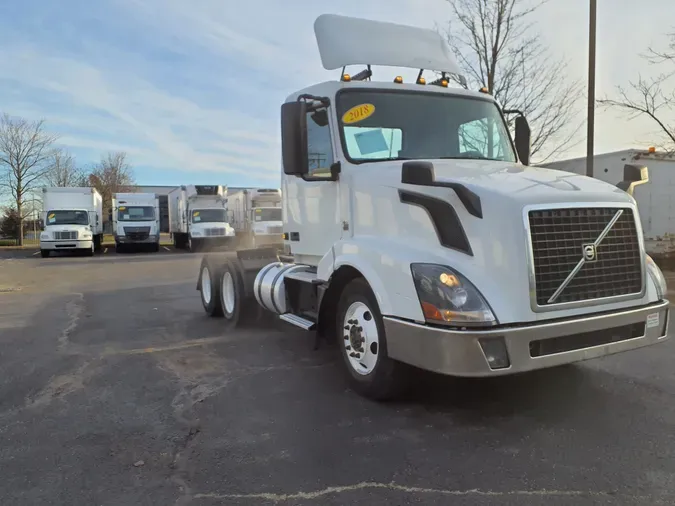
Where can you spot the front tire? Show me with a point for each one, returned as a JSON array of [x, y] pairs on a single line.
[[363, 345], [209, 290], [90, 252], [45, 253]]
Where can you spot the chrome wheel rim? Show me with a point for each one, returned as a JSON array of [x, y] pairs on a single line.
[[361, 339]]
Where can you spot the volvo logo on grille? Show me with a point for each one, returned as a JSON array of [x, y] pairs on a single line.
[[590, 252]]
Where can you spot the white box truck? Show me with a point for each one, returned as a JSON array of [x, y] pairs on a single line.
[[416, 234], [198, 217], [656, 200], [256, 215], [135, 218], [71, 220]]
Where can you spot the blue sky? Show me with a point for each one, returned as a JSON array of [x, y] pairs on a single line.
[[191, 90]]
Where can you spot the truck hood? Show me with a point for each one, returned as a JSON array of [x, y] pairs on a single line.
[[517, 183]]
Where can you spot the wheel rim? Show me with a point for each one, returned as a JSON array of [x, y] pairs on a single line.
[[361, 338], [228, 292], [206, 285]]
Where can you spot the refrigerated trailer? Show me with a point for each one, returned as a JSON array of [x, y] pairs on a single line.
[[198, 217], [72, 220], [135, 219], [256, 215], [417, 234]]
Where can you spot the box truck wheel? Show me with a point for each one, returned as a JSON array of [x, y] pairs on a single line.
[[363, 345], [44, 253], [209, 288], [90, 252]]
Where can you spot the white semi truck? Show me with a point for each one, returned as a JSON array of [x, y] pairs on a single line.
[[71, 220], [416, 234], [198, 217], [135, 218], [256, 215]]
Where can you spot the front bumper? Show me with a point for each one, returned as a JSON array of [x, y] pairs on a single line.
[[66, 245], [268, 239], [122, 239], [529, 347]]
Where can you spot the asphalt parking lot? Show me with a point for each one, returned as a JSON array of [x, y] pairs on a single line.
[[116, 389]]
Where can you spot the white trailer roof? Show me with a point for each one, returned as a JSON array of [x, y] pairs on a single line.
[[346, 41]]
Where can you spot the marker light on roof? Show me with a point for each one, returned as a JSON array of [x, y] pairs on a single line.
[[398, 80]]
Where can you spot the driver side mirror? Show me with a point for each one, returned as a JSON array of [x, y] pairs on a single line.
[[523, 140], [633, 175], [294, 138]]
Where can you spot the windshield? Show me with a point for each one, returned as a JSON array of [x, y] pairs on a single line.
[[209, 216], [135, 213], [385, 125], [67, 218], [267, 214]]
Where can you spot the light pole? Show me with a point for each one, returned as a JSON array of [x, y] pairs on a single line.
[[591, 88]]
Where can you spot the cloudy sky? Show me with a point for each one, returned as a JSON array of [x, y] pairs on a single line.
[[191, 90]]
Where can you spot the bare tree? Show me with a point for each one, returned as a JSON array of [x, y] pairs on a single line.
[[647, 96], [24, 153], [497, 49], [62, 171], [111, 175]]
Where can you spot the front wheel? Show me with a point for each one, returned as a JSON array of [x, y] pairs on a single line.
[[44, 253], [363, 345]]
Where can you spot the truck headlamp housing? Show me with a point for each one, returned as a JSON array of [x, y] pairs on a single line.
[[657, 277], [449, 298], [196, 233]]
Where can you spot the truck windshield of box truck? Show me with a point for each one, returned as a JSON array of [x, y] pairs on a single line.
[[62, 217], [135, 213], [209, 216], [267, 214], [379, 125]]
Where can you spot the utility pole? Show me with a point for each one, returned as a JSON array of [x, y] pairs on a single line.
[[591, 88]]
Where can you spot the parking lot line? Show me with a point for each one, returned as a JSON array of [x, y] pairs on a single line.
[[105, 250], [36, 253], [166, 248]]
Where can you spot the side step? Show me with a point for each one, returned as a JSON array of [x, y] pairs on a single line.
[[298, 321]]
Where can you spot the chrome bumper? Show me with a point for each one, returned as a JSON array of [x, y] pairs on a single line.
[[460, 353]]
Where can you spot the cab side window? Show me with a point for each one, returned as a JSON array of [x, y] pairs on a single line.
[[320, 148]]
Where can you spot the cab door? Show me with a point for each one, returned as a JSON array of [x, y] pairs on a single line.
[[313, 217]]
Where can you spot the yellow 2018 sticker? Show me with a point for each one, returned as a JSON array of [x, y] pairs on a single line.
[[196, 213], [122, 208], [358, 113], [51, 216]]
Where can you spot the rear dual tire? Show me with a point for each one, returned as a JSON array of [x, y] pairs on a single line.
[[222, 291]]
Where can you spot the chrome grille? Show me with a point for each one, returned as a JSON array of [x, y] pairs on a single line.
[[558, 237], [211, 232], [275, 230], [137, 233], [65, 236]]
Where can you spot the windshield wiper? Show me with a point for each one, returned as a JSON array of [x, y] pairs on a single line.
[[469, 158]]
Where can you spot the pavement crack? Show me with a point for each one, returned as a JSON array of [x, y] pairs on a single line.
[[74, 309], [179, 466], [62, 385], [280, 498]]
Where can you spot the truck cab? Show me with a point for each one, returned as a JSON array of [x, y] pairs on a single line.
[[135, 220], [416, 234]]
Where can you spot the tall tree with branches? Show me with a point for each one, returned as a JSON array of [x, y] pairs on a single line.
[[652, 97], [25, 148], [497, 49], [111, 175], [62, 171]]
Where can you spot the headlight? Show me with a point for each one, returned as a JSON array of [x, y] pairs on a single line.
[[44, 237], [448, 297], [86, 235], [657, 277], [196, 233]]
